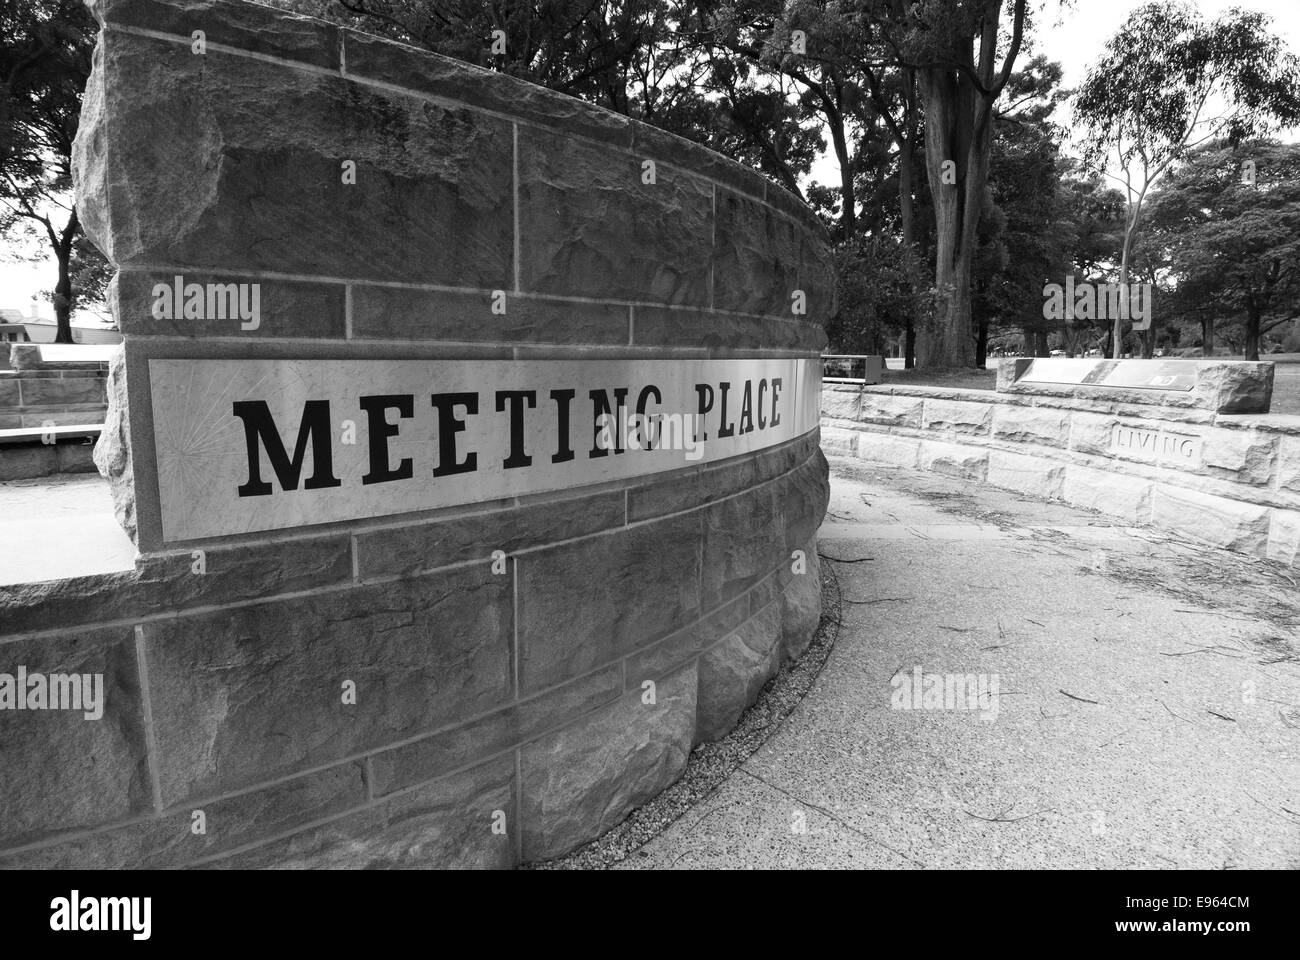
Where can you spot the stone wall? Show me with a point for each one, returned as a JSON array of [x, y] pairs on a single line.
[[1231, 480], [502, 713]]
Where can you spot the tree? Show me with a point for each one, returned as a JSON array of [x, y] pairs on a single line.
[[1152, 96], [953, 47], [45, 48], [1234, 246]]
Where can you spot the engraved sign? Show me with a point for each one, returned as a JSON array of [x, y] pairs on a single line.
[[249, 445], [1156, 446], [1129, 374]]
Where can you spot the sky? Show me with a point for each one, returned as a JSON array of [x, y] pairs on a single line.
[[1074, 37]]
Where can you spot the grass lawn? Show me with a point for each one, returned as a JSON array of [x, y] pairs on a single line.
[[1286, 382]]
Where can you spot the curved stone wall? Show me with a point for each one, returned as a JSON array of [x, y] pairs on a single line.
[[1229, 479], [471, 683]]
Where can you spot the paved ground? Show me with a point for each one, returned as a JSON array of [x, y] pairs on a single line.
[[1148, 706], [59, 526]]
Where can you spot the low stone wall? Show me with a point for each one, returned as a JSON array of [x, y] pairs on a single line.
[[423, 684], [1231, 480], [35, 394]]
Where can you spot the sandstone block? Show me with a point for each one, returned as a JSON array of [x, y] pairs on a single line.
[[61, 769], [444, 825], [230, 180], [755, 257], [1035, 476], [956, 417], [256, 692], [1217, 520], [581, 780], [954, 460], [1128, 498], [891, 411], [732, 673], [1284, 536], [897, 451], [588, 602], [590, 228], [1032, 425]]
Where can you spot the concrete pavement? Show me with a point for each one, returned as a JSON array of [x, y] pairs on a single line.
[[1147, 705]]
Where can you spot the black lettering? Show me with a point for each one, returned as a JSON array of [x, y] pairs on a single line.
[[702, 390], [448, 427], [776, 395], [379, 430], [516, 399], [562, 400], [600, 408], [747, 408], [762, 389], [315, 425], [646, 433], [724, 429]]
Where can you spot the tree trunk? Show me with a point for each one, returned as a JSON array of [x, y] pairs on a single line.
[[982, 343], [1252, 330], [909, 346], [1207, 336], [63, 301]]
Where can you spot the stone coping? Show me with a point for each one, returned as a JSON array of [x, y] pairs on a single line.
[[1279, 423]]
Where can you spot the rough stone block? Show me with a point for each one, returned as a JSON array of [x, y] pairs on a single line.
[[841, 403], [1288, 464], [588, 602], [801, 605], [28, 461], [954, 416], [228, 179], [523, 720], [255, 692], [732, 673], [715, 330], [590, 228], [1284, 536], [444, 825], [1091, 433], [1235, 386], [1035, 476], [1033, 425], [1128, 498], [954, 460], [1217, 520], [49, 391], [891, 411], [744, 541], [60, 770], [1240, 456], [74, 457], [285, 308], [258, 29], [755, 257], [413, 547], [581, 780], [8, 390], [839, 442], [431, 315], [803, 495], [816, 274], [898, 451], [168, 842], [419, 70], [686, 644]]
